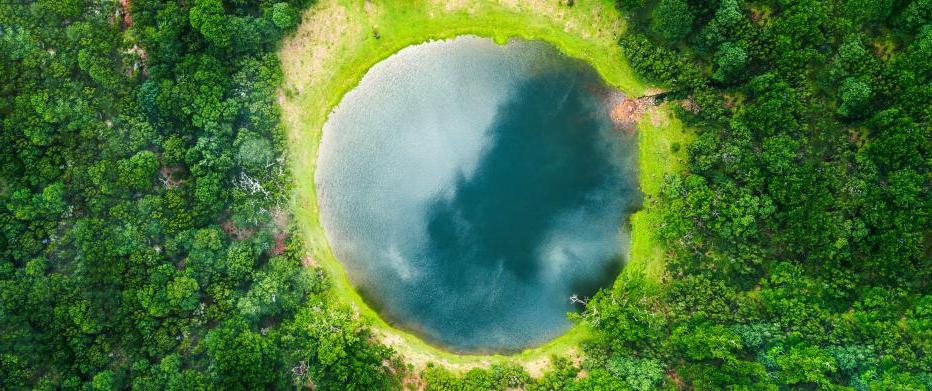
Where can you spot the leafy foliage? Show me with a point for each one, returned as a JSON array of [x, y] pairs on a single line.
[[144, 240], [799, 230], [673, 19]]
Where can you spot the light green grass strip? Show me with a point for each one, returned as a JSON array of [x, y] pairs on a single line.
[[657, 134]]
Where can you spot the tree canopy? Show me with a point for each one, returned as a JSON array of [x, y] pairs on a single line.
[[147, 244]]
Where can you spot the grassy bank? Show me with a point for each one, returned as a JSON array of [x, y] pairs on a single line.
[[339, 40], [661, 146]]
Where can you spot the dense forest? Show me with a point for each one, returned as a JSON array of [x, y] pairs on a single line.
[[799, 236], [147, 243]]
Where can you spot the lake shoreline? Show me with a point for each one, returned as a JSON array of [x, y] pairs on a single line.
[[336, 45]]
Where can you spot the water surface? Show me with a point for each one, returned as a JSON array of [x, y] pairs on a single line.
[[471, 188]]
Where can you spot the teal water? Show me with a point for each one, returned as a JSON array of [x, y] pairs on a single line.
[[471, 188]]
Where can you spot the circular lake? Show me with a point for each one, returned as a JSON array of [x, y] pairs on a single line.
[[470, 189]]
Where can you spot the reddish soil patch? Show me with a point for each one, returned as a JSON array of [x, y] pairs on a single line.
[[281, 231], [675, 378], [127, 15], [279, 248], [127, 23], [626, 112], [230, 228]]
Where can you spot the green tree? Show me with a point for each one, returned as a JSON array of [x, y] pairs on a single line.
[[802, 365], [138, 172], [284, 16], [637, 373], [855, 96], [731, 60], [672, 19], [103, 381], [337, 350], [728, 13], [255, 152], [707, 342], [183, 293], [207, 17], [241, 358]]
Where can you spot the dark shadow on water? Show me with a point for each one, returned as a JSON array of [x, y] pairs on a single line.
[[543, 163]]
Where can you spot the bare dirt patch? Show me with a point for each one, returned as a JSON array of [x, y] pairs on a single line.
[[689, 104], [309, 261], [230, 228], [127, 15], [171, 177], [627, 112], [280, 218]]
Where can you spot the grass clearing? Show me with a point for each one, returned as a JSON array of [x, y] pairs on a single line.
[[339, 40], [658, 132]]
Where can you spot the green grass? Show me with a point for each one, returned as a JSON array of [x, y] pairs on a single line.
[[657, 134], [337, 44]]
